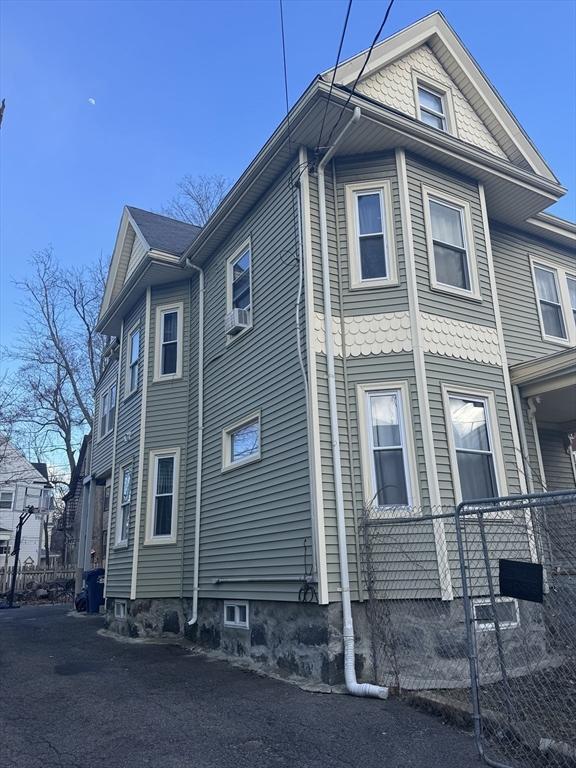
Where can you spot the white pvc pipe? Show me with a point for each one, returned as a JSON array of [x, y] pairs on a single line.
[[353, 686], [199, 443]]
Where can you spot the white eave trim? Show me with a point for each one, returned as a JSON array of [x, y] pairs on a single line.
[[434, 29]]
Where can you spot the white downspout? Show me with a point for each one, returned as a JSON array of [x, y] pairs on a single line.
[[200, 442], [355, 688]]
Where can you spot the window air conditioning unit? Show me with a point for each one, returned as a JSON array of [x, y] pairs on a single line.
[[236, 321]]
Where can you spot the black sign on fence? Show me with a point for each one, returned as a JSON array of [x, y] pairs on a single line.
[[521, 580]]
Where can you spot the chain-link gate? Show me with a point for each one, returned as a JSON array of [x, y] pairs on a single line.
[[475, 610]]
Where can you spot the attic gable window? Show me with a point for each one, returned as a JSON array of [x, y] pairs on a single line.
[[432, 110], [434, 105]]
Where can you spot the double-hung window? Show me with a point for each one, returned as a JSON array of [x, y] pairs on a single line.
[[571, 282], [168, 342], [6, 500], [133, 356], [475, 461], [450, 245], [107, 410], [432, 108], [125, 499], [549, 293], [162, 504], [241, 442], [387, 450], [370, 241]]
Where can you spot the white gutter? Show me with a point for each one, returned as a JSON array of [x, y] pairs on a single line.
[[199, 443], [355, 688]]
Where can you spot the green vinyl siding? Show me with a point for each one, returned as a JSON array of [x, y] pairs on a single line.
[[101, 462], [518, 302], [255, 518], [434, 301], [168, 410], [558, 467], [119, 562]]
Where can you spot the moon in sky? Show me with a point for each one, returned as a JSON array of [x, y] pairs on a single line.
[[92, 101]]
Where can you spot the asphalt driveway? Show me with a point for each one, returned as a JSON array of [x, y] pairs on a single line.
[[72, 698]]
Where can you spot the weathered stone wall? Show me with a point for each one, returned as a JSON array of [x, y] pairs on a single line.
[[290, 639]]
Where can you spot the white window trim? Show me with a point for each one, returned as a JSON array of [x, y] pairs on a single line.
[[445, 93], [351, 192], [227, 464], [120, 609], [428, 194], [152, 476], [119, 541], [161, 310], [12, 493], [367, 466], [127, 391], [489, 626], [448, 390], [246, 245], [235, 604], [564, 296], [109, 429]]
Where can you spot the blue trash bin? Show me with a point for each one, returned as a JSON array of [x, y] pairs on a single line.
[[94, 589]]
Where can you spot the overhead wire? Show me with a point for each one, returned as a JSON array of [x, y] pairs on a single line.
[[342, 36], [374, 41]]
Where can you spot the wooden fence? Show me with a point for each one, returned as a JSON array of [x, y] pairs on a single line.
[[28, 574]]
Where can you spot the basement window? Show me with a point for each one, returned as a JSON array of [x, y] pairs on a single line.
[[236, 615], [120, 609], [506, 613]]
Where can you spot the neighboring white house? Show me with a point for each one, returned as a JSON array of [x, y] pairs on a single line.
[[22, 485]]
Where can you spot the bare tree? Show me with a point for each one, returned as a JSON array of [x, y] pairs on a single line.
[[59, 354], [197, 198]]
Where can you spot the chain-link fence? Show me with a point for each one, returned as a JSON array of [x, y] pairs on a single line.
[[474, 609]]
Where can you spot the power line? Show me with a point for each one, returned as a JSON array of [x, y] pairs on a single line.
[[319, 144], [376, 36]]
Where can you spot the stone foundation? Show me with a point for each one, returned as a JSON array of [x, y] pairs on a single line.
[[305, 640], [289, 639]]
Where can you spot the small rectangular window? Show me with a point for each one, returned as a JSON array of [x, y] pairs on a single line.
[[473, 446], [107, 410], [449, 241], [370, 234], [240, 269], [125, 499], [506, 612], [239, 292], [169, 334], [6, 500], [241, 442], [432, 107], [120, 609], [133, 361], [236, 615], [386, 438], [550, 304]]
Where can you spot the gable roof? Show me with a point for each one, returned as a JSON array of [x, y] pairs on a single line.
[[163, 233], [435, 31]]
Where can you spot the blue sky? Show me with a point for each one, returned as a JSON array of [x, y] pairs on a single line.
[[196, 87]]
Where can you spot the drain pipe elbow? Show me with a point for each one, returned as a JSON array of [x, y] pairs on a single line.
[[352, 685]]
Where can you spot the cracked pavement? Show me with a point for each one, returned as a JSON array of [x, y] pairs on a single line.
[[70, 698]]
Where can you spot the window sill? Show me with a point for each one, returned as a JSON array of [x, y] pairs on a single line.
[[558, 341], [160, 541], [457, 292], [120, 545], [103, 437], [241, 463], [166, 377], [130, 395], [371, 285]]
